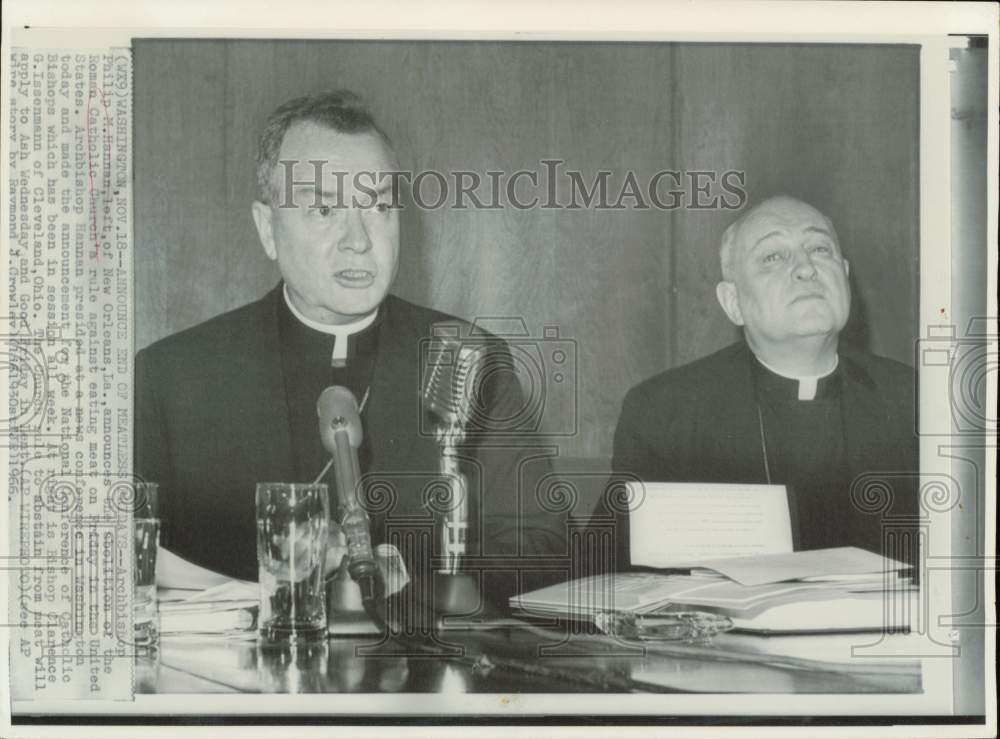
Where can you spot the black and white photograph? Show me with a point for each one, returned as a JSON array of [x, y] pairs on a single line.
[[423, 379]]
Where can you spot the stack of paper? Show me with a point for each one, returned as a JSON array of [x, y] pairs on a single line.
[[226, 609], [841, 589]]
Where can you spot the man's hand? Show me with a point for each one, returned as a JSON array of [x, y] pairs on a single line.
[[336, 550]]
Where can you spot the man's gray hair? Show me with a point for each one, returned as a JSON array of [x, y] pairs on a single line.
[[340, 110], [727, 248]]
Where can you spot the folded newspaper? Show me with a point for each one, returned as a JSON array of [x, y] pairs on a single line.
[[223, 609]]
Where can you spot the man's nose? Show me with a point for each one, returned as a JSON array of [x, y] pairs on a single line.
[[803, 267], [355, 236]]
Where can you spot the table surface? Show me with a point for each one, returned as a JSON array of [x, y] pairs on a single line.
[[533, 659]]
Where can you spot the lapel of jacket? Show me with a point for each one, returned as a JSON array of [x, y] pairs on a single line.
[[740, 453], [392, 403], [263, 387]]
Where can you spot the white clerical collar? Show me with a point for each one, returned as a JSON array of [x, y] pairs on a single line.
[[807, 383], [340, 331]]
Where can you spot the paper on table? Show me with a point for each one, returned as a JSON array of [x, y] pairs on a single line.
[[173, 571], [208, 621], [644, 592], [209, 638], [199, 606], [624, 591], [232, 590], [221, 589], [224, 608], [832, 609], [814, 564], [681, 524]]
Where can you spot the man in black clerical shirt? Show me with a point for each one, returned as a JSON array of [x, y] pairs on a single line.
[[232, 401], [790, 404]]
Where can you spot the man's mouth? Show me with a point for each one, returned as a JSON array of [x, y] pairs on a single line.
[[808, 296], [354, 278]]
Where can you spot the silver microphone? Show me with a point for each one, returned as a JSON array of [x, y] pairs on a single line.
[[341, 433], [450, 377]]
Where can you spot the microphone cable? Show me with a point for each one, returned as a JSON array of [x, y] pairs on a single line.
[[482, 660]]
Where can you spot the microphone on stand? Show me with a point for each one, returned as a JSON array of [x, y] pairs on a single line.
[[447, 395], [448, 390], [341, 433]]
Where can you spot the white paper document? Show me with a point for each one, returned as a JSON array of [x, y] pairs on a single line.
[[681, 524], [221, 609], [835, 563], [647, 592], [840, 589]]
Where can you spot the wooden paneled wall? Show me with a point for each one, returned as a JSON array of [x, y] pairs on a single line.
[[836, 126], [634, 289]]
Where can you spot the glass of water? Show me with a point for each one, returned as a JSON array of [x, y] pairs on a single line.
[[292, 522], [147, 540]]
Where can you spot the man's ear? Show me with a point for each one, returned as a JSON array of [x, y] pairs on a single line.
[[847, 268], [730, 301], [262, 219]]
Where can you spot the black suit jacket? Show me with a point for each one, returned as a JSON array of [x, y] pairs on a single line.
[[212, 421], [698, 423]]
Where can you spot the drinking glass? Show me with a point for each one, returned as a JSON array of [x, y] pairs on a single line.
[[147, 540], [292, 524]]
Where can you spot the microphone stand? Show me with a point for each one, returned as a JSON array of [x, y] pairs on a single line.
[[454, 591], [455, 524]]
